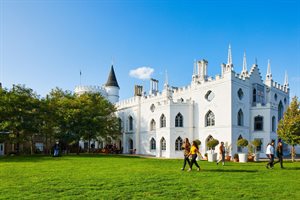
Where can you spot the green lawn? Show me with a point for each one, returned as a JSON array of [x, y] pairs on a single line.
[[121, 177]]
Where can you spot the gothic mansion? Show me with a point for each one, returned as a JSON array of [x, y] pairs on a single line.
[[227, 107]]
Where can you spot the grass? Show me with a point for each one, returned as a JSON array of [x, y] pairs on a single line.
[[122, 177]]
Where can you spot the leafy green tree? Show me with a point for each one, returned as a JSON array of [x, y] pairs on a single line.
[[289, 126]]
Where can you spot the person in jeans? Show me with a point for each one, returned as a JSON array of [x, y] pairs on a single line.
[[279, 154], [221, 154], [270, 154], [193, 152], [186, 147]]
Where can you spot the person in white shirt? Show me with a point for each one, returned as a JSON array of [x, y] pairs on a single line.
[[270, 154]]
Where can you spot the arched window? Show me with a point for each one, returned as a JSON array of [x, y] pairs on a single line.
[[178, 144], [152, 125], [240, 94], [130, 119], [130, 144], [273, 124], [239, 149], [254, 95], [162, 121], [179, 120], [258, 123], [280, 110], [210, 118], [152, 144], [163, 144], [120, 124], [240, 118]]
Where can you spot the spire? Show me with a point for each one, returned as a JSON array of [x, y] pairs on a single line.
[[286, 82], [112, 80], [269, 73], [244, 63], [166, 78], [229, 59]]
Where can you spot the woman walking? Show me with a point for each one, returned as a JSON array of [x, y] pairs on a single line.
[[187, 147], [279, 152], [193, 152]]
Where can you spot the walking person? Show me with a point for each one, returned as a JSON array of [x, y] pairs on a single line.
[[221, 154], [193, 152], [270, 154], [279, 153], [186, 147]]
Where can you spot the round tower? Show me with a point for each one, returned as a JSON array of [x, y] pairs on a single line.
[[112, 87]]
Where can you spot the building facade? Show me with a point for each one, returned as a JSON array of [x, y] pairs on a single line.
[[226, 107]]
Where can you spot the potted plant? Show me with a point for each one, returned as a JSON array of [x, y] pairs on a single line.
[[228, 149], [242, 143], [250, 153], [211, 145], [256, 143], [236, 157]]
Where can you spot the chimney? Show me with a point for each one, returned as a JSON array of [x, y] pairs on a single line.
[[153, 86], [138, 90]]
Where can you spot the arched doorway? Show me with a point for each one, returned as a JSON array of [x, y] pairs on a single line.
[[130, 146]]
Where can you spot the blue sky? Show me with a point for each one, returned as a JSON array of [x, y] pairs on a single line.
[[44, 44]]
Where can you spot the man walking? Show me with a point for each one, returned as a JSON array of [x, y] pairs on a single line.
[[270, 154]]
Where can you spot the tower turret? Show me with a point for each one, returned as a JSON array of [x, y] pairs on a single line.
[[112, 87]]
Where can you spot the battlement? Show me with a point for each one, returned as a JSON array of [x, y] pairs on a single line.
[[127, 102], [80, 89], [279, 87]]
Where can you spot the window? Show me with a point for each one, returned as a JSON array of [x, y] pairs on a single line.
[[120, 124], [258, 148], [240, 118], [240, 94], [209, 95], [152, 125], [179, 120], [280, 111], [178, 144], [284, 100], [209, 119], [275, 97], [273, 124], [258, 123], [152, 144], [162, 121], [130, 123], [163, 144], [152, 108], [254, 96]]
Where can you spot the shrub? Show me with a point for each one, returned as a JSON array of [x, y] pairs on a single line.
[[242, 143], [212, 143], [198, 142]]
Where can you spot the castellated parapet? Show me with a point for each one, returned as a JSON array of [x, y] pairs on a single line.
[[81, 89]]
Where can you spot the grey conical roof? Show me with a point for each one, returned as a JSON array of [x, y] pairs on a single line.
[[112, 80]]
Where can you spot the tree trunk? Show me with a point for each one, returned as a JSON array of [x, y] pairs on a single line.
[[293, 153]]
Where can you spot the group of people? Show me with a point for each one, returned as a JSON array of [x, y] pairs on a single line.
[[193, 152], [271, 154]]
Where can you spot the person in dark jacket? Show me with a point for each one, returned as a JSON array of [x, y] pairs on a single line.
[[186, 147], [279, 154]]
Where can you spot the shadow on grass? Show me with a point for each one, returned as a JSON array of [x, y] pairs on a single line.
[[230, 170], [42, 158]]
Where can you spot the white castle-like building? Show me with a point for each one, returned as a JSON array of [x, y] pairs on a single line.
[[226, 107]]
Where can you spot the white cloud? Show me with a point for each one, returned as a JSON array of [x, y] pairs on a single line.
[[142, 73]]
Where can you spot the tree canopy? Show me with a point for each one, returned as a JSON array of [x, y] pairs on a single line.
[[289, 126]]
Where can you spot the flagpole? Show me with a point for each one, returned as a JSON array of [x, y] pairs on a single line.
[[80, 77]]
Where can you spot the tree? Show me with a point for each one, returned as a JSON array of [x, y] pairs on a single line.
[[289, 126]]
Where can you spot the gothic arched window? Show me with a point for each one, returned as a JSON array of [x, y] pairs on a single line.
[[163, 144], [152, 125], [178, 144], [280, 110], [273, 124], [240, 118], [162, 121], [130, 119], [254, 96], [210, 118], [152, 144], [179, 120]]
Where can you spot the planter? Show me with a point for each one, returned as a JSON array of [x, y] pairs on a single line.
[[256, 157], [212, 157], [250, 158], [227, 158], [243, 157]]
